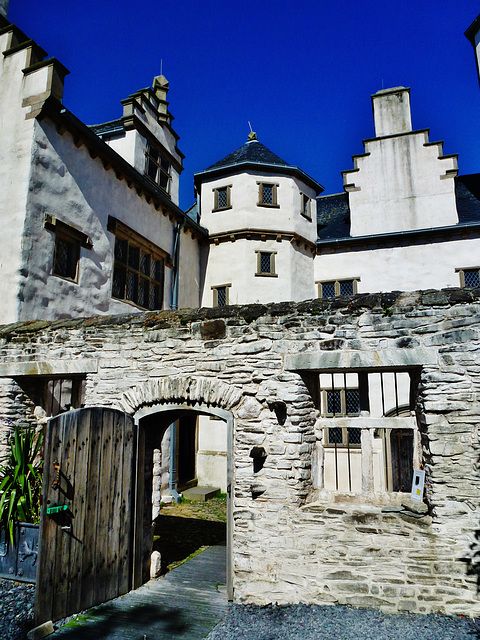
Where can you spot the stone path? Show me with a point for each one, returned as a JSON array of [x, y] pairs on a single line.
[[184, 604]]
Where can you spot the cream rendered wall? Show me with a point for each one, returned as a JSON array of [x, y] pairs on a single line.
[[125, 145], [212, 453], [245, 212], [422, 266], [190, 274], [16, 135], [68, 184], [235, 262]]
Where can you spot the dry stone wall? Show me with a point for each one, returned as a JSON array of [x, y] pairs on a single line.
[[259, 362]]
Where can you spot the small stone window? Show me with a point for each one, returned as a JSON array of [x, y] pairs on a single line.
[[469, 277], [305, 206], [68, 241], [222, 198], [334, 288], [266, 263], [267, 194], [139, 268], [220, 295], [157, 168]]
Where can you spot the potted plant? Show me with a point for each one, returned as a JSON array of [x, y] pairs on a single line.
[[20, 499]]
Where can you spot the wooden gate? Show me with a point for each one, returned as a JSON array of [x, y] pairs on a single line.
[[86, 529]]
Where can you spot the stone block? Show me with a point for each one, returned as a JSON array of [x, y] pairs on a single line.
[[41, 631]]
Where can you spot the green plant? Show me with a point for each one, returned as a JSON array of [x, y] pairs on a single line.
[[21, 481]]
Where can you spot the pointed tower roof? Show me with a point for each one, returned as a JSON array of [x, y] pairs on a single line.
[[254, 155]]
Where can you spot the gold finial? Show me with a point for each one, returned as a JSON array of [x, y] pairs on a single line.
[[252, 135]]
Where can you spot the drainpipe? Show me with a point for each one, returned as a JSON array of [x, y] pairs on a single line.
[[172, 485]]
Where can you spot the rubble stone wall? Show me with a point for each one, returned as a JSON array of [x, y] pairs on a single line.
[[259, 362]]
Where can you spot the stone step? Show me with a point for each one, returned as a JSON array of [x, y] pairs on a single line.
[[200, 494]]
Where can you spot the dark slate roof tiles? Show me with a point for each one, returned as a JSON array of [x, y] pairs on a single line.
[[251, 151]]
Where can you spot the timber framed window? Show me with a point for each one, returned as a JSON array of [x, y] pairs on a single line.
[[306, 206], [335, 288], [469, 277], [220, 295], [370, 437], [139, 268], [267, 194], [68, 241], [55, 395], [266, 263], [158, 168], [222, 198]]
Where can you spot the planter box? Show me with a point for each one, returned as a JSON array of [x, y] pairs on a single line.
[[19, 561]]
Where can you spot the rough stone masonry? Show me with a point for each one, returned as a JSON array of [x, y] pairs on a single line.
[[292, 541]]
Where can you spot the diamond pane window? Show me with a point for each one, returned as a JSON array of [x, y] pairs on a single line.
[[137, 275], [267, 194], [222, 198], [67, 254], [265, 262], [133, 257], [221, 296], [472, 278], [335, 435], [144, 263], [328, 290], [352, 401], [334, 402], [157, 168], [354, 435], [346, 288]]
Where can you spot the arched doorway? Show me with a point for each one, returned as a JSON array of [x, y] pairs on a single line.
[[152, 423]]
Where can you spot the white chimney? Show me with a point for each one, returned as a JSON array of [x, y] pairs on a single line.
[[391, 111]]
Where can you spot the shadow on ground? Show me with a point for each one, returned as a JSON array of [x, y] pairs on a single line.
[[179, 537]]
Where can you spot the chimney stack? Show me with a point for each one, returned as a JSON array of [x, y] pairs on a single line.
[[391, 111]]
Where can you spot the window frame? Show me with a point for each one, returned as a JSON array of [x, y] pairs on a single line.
[[337, 284], [274, 204], [305, 206], [461, 273], [134, 240], [215, 289], [151, 160], [228, 189], [268, 274], [343, 402]]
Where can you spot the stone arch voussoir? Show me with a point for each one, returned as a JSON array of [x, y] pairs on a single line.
[[182, 389]]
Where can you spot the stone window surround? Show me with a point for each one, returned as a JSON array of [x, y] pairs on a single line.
[[71, 235], [461, 273], [261, 202], [337, 283], [215, 289], [259, 272], [227, 189]]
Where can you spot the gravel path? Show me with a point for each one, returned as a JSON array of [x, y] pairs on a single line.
[[290, 622], [16, 609], [311, 622]]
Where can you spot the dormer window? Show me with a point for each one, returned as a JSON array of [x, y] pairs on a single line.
[[157, 168], [222, 198], [267, 194]]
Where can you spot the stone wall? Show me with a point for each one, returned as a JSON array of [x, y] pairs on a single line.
[[292, 542]]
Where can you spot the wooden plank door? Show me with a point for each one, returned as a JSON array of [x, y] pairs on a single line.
[[86, 527]]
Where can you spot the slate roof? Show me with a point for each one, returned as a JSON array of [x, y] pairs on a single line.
[[467, 194], [333, 217], [254, 155], [252, 151]]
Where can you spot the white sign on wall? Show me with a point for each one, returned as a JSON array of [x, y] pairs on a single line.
[[418, 484]]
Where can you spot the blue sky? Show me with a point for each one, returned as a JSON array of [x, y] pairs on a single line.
[[301, 72]]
